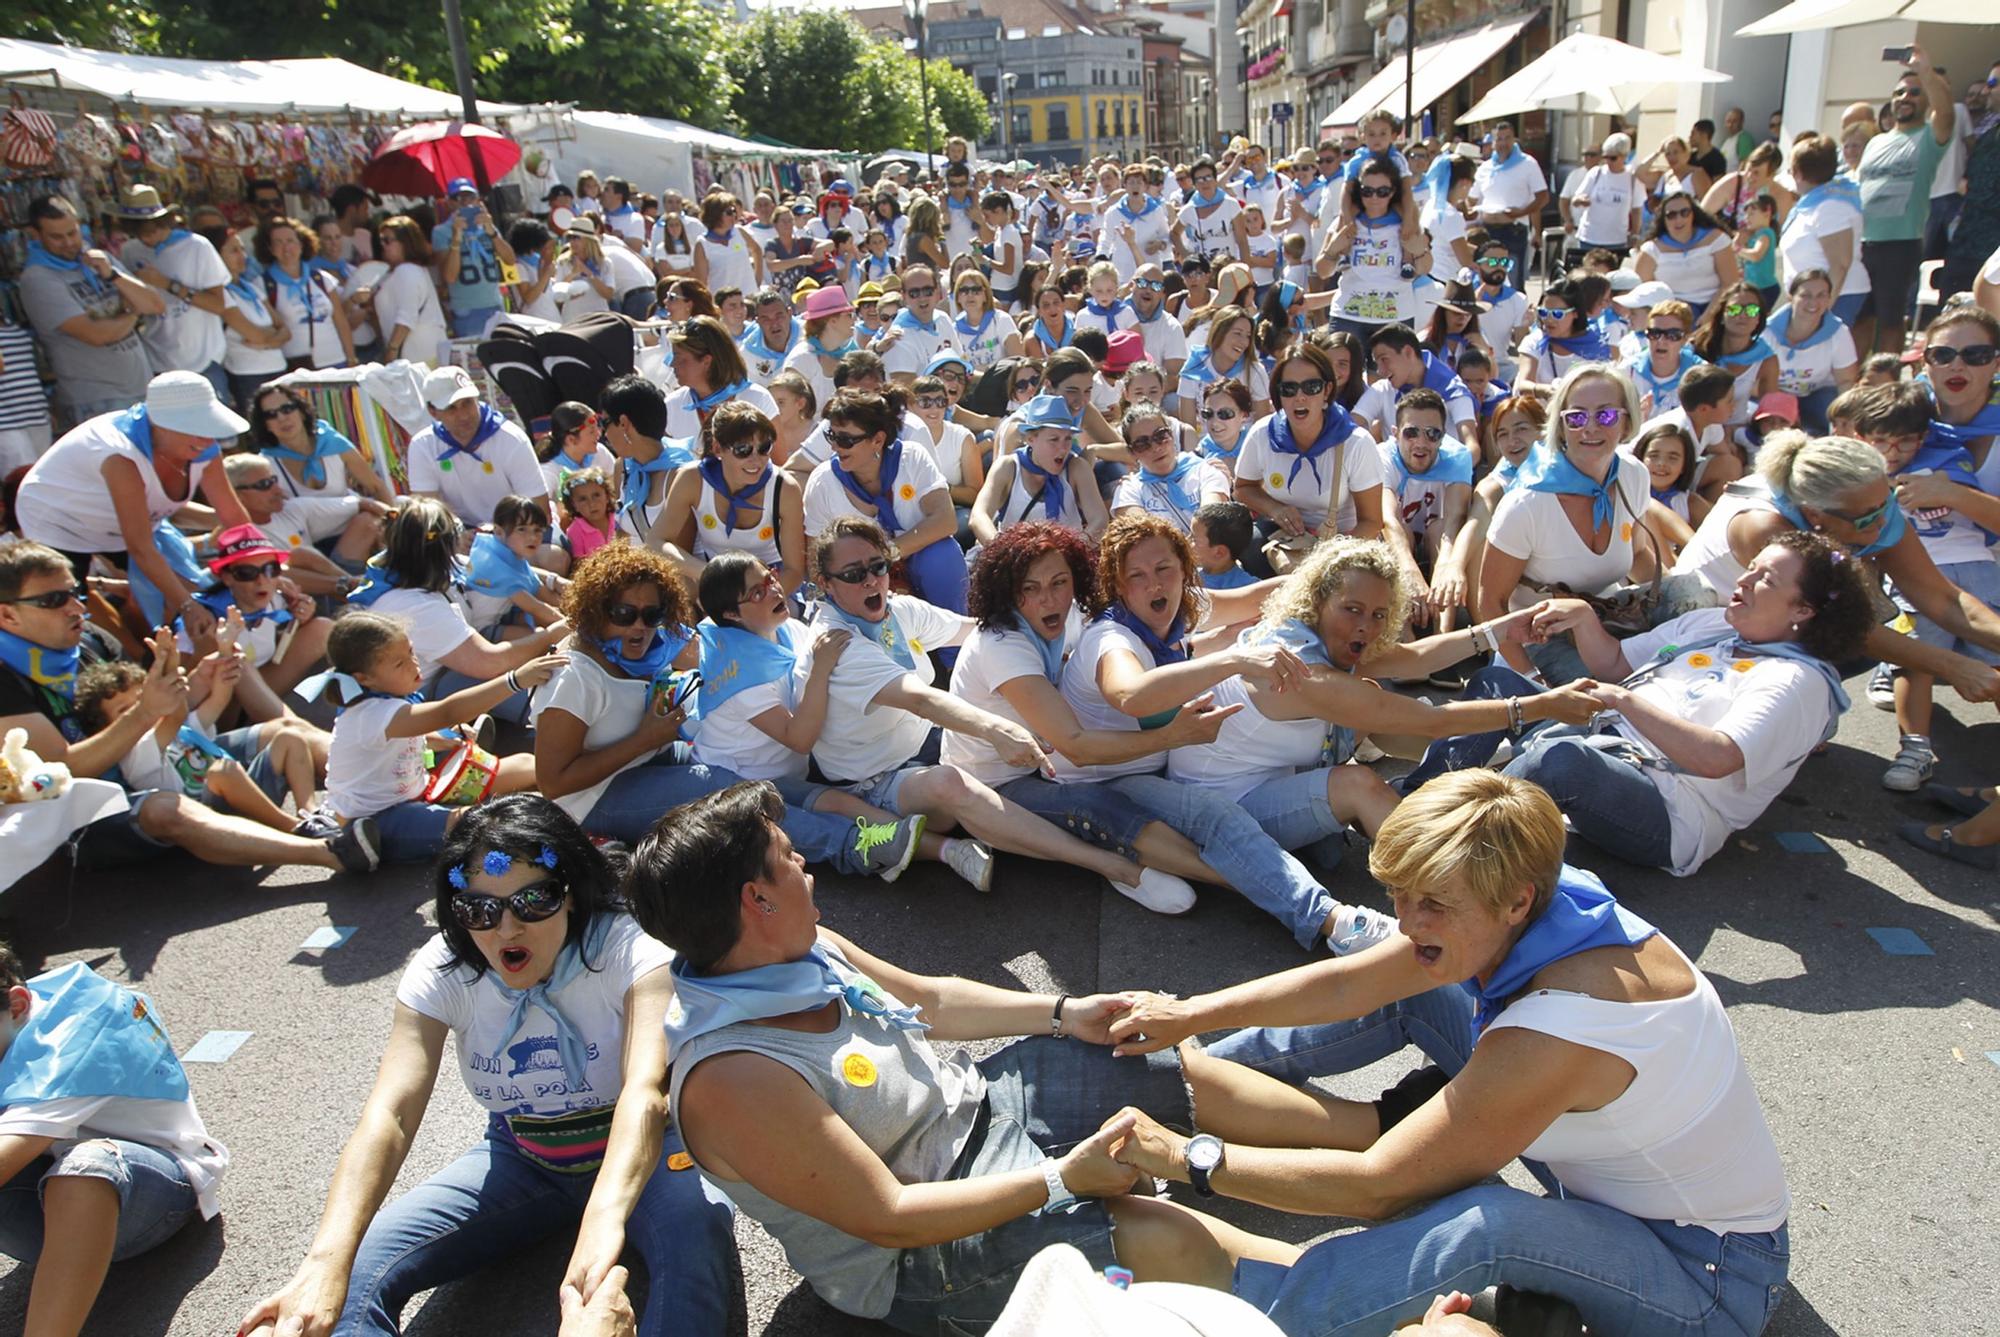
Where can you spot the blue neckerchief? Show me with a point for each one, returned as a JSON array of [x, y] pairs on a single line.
[[1580, 915], [1756, 353], [489, 423], [1510, 474], [1893, 525], [53, 669], [705, 1003], [376, 581], [499, 571], [666, 644], [750, 495], [1551, 471], [1170, 649], [886, 634], [249, 292], [906, 319], [190, 737], [1200, 367], [1049, 341], [1210, 447], [638, 477], [1589, 346], [1363, 156], [174, 237], [1506, 291], [85, 1038], [1235, 578], [1053, 491], [1336, 429], [968, 332], [1302, 640], [340, 269], [1439, 376], [621, 211], [703, 405], [301, 288], [1779, 327], [179, 553], [724, 239], [1389, 218], [326, 444], [220, 601], [757, 344], [1173, 485], [1437, 178], [351, 690], [1205, 201], [835, 353], [1840, 188], [1643, 370], [1984, 423], [1515, 158], [1496, 394], [1109, 314], [40, 257], [1151, 206], [735, 660], [570, 1042], [1053, 652], [137, 427], [1667, 496], [1249, 182], [882, 503], [1452, 465], [1696, 238], [953, 202]]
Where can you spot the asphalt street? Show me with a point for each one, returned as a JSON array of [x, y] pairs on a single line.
[[1880, 1072]]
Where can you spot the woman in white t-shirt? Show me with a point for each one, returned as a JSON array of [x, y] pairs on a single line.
[[733, 499], [1816, 354], [724, 254], [556, 1004], [406, 305], [1377, 277], [1823, 230], [304, 299], [1045, 477], [314, 460], [1307, 470], [882, 709], [1570, 524], [254, 336], [1169, 482], [1687, 251]]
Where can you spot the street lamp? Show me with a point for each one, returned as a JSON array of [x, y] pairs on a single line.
[[914, 11], [1007, 82]]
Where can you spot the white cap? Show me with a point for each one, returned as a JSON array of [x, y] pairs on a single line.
[[1623, 280], [184, 401], [447, 386], [1645, 296]]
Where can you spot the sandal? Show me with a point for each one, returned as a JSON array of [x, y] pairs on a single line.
[[1945, 846], [1951, 796]]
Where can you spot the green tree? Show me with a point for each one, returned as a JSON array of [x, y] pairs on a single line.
[[392, 36], [957, 103], [648, 57]]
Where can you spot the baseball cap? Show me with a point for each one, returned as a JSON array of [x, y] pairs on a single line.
[[447, 386], [461, 185], [243, 543], [184, 401], [1644, 297]]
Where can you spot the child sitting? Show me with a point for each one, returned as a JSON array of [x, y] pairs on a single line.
[[376, 767], [1667, 450], [1378, 140], [1879, 369], [284, 637], [501, 577], [102, 1152], [1221, 533], [1475, 368], [586, 497], [1757, 249], [1105, 310], [576, 442]]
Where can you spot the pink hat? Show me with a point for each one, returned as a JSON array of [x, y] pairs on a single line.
[[1778, 404], [1127, 349], [828, 301], [244, 543]]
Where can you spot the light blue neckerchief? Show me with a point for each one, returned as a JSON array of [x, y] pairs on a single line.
[[1150, 207], [497, 570], [638, 476], [1339, 425], [1053, 490], [1579, 916], [326, 444], [137, 427], [660, 652], [1515, 158], [886, 633], [1552, 471], [570, 1042], [1049, 341], [703, 405], [53, 669], [40, 257], [758, 345], [1212, 448], [734, 660], [1779, 328], [1171, 487], [1452, 465], [705, 1003], [85, 1038], [906, 319], [968, 333], [1053, 652]]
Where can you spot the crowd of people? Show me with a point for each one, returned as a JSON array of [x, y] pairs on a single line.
[[1121, 517]]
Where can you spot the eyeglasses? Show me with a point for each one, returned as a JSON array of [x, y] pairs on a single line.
[[1163, 437], [1219, 415], [1375, 192], [1743, 309], [1976, 355], [1552, 312], [1606, 417], [1204, 181], [743, 450], [861, 572], [930, 291], [1293, 389], [1670, 336], [531, 904], [933, 401], [1150, 285], [624, 615], [54, 599], [244, 573], [1494, 262], [1415, 433], [845, 440], [1675, 215], [280, 411], [1870, 518], [1027, 383], [261, 485]]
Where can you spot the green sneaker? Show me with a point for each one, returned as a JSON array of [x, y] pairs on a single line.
[[887, 847]]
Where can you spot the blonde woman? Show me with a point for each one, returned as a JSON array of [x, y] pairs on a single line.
[[583, 268]]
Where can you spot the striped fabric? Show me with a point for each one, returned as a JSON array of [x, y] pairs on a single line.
[[22, 400], [571, 1143]]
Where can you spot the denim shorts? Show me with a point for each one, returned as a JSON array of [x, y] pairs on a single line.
[[1043, 1096], [1093, 812], [241, 745], [154, 1197], [882, 791], [1981, 580], [412, 832]]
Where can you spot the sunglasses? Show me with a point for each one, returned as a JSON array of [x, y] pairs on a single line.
[[1219, 415], [54, 599], [1977, 355], [1670, 336], [624, 615], [1027, 383], [1552, 312], [1494, 261], [1414, 433], [1606, 417], [531, 904], [845, 440], [261, 485], [279, 412], [1870, 518], [1163, 437], [1204, 181], [1150, 285], [1743, 309], [743, 450], [1375, 192], [1675, 215], [861, 572], [1293, 389], [244, 573], [933, 402], [930, 291]]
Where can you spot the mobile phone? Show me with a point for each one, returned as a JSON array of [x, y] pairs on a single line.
[[684, 689], [469, 212], [1897, 55]]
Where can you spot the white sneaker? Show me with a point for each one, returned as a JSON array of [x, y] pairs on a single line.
[[971, 861], [1356, 928], [1914, 764], [1882, 688], [1162, 893]]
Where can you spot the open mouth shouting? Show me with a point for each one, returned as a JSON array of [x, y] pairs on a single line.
[[514, 960], [1427, 954], [875, 601]]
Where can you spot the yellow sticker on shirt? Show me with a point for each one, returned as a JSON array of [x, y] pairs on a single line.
[[1742, 665], [680, 1160], [1625, 533], [1699, 660], [1277, 480], [708, 522], [858, 1069], [487, 465]]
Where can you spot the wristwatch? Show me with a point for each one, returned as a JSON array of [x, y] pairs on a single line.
[[1204, 1157], [1060, 1198]]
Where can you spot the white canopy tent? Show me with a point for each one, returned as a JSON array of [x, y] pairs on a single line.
[[1815, 15], [1586, 72], [650, 151]]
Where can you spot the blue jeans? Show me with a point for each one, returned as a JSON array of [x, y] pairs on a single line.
[[413, 831], [465, 324], [154, 1197], [638, 796], [1609, 801], [1234, 845], [1293, 811], [493, 1201], [1626, 1275], [1813, 407]]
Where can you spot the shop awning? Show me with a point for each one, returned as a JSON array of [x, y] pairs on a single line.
[[1440, 67]]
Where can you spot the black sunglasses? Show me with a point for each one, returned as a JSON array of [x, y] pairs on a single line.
[[1974, 355], [53, 599], [845, 440], [531, 904], [1291, 389], [624, 615], [1414, 433], [287, 407], [861, 572], [1375, 192], [1671, 336], [244, 573], [743, 450]]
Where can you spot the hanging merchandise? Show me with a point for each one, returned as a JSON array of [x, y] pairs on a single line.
[[27, 138], [88, 144]]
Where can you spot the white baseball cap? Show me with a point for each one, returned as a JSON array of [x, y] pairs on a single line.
[[184, 401], [447, 386], [1645, 296]]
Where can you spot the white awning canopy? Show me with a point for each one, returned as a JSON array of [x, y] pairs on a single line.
[[1587, 72], [1439, 68], [1815, 15]]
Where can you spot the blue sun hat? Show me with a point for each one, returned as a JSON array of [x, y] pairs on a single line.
[[947, 358], [1047, 411]]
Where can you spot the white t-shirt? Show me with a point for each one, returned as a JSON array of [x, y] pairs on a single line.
[[238, 357], [522, 1073], [915, 346], [947, 452], [1311, 491], [1166, 342], [1952, 165], [1213, 236], [407, 297], [1151, 232], [64, 502], [803, 360], [1497, 325], [1774, 710], [1155, 497], [1804, 370], [1445, 224], [611, 707], [172, 1126], [827, 500], [684, 423], [1533, 526], [1799, 243], [312, 331], [862, 740], [559, 466], [628, 271], [1514, 188], [1372, 288], [1690, 274], [987, 662], [366, 770], [1378, 402], [730, 738], [1005, 238], [1087, 702], [1250, 749], [186, 338], [435, 624], [304, 520], [1607, 218], [544, 306], [506, 466]]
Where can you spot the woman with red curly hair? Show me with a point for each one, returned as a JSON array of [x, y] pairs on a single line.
[[1032, 590]]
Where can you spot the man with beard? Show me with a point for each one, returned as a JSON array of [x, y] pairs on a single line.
[[1896, 171]]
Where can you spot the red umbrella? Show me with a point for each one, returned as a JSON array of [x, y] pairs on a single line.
[[422, 159]]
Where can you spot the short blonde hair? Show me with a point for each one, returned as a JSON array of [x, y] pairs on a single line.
[[1477, 829], [1103, 269], [1321, 576], [1628, 398]]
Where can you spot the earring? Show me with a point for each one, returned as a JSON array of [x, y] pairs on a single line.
[[766, 906]]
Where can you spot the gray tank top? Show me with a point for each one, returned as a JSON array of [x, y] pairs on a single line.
[[914, 1109]]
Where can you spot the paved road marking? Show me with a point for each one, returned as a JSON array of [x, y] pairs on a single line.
[[325, 938], [216, 1047], [1803, 842], [1900, 942]]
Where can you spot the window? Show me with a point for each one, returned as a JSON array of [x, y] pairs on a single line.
[[989, 84], [1049, 79], [1023, 126], [1058, 122], [1117, 120], [1100, 120]]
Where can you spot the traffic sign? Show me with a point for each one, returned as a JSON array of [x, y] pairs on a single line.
[[1281, 111]]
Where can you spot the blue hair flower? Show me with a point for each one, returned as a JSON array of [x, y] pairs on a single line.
[[496, 863], [547, 859], [456, 876]]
